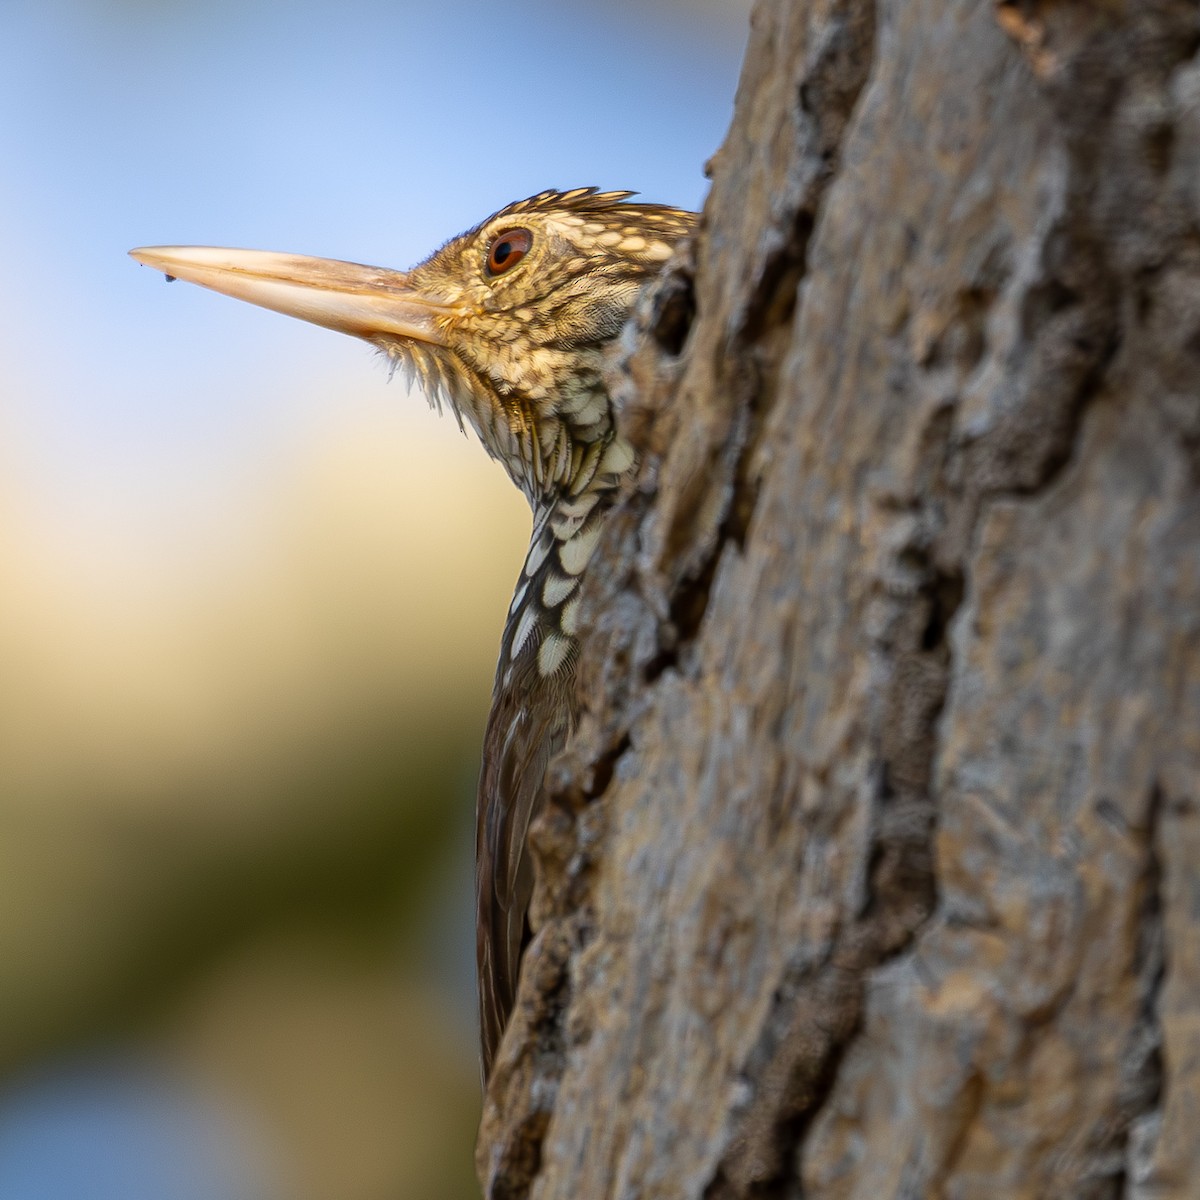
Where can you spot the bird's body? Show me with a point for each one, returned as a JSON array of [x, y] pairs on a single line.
[[509, 324]]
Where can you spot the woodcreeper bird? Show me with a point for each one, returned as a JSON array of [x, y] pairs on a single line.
[[508, 325]]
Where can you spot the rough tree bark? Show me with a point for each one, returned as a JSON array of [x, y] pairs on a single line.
[[872, 870]]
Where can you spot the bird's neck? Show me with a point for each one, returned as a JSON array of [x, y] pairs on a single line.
[[543, 627], [551, 430]]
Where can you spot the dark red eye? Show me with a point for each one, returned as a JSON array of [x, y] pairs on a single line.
[[507, 249]]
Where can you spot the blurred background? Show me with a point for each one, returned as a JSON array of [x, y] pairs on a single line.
[[250, 594]]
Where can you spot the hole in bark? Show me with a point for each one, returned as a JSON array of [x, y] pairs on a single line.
[[1043, 301], [676, 313], [964, 339], [885, 792], [663, 660], [604, 768], [945, 595], [774, 299], [688, 605]]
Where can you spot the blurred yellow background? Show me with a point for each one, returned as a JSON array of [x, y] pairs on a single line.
[[250, 594]]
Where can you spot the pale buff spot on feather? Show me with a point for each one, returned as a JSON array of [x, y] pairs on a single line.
[[553, 653], [618, 458], [575, 554], [525, 628], [557, 588], [570, 617], [536, 556]]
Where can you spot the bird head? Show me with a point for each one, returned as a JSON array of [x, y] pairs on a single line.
[[507, 323]]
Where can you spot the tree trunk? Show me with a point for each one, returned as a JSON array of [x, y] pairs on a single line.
[[872, 868]]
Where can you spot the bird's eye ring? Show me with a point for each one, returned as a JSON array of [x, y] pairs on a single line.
[[507, 249]]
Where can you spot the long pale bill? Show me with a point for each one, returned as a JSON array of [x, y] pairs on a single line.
[[368, 302]]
